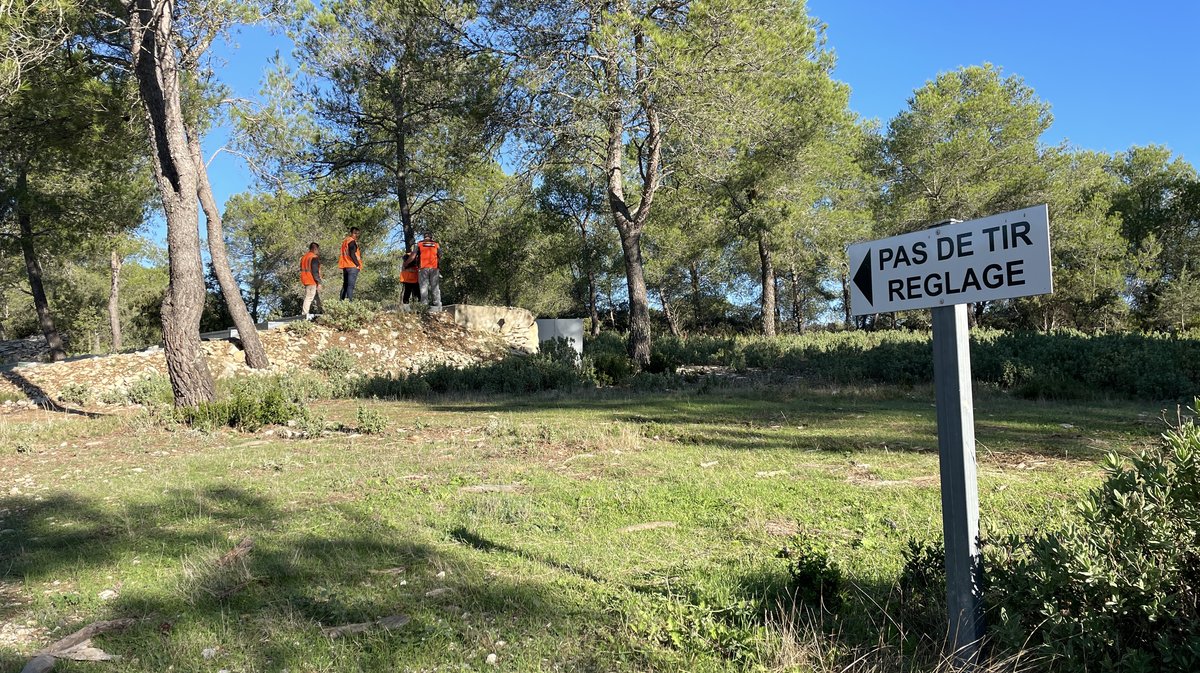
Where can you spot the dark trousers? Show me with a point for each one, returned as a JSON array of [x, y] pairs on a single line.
[[412, 293], [349, 278]]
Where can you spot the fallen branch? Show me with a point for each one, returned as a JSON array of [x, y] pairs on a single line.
[[393, 622], [77, 646]]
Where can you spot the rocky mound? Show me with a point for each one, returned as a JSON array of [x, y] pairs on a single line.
[[391, 344]]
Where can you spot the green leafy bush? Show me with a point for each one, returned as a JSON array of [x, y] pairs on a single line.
[[923, 589], [370, 421], [334, 362], [346, 316], [301, 327], [816, 579], [515, 374], [253, 403], [1118, 588], [151, 390], [75, 393], [1061, 364]]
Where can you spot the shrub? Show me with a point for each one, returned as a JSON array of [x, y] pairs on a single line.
[[301, 327], [346, 316], [151, 390], [253, 404], [371, 421], [75, 393], [923, 588], [1118, 588], [515, 374], [309, 422], [334, 362], [816, 579]]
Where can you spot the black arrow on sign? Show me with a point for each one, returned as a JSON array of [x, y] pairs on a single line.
[[862, 278]]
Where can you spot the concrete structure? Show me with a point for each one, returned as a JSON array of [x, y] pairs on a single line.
[[517, 323], [570, 329]]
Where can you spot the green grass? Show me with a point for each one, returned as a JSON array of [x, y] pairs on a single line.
[[607, 530]]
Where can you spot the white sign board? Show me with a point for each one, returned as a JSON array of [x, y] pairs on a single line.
[[996, 257]]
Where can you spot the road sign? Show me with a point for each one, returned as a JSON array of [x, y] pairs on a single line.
[[997, 257], [945, 268]]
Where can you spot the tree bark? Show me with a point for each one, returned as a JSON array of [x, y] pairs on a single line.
[[592, 303], [402, 198], [631, 222], [697, 299], [114, 300], [797, 312], [672, 323], [33, 269], [256, 355], [846, 317], [157, 71], [768, 286]]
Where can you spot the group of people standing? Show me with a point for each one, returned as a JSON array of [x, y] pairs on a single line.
[[419, 272]]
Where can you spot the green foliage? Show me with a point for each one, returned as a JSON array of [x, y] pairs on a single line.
[[310, 422], [817, 580], [334, 362], [515, 374], [370, 421], [923, 588], [151, 391], [1057, 365], [75, 393], [1117, 588], [693, 625], [347, 316], [301, 328], [252, 404], [606, 358]]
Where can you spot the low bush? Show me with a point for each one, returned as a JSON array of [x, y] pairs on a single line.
[[75, 393], [515, 374], [1118, 588], [252, 404], [370, 421], [301, 327], [151, 391], [347, 316], [334, 362], [1056, 365], [816, 579]]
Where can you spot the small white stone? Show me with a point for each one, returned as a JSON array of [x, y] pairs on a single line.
[[209, 652], [107, 595], [492, 659]]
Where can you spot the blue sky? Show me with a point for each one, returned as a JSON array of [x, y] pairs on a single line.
[[1116, 73]]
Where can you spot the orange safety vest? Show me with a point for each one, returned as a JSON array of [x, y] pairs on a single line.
[[429, 254], [409, 275], [344, 262], [306, 274]]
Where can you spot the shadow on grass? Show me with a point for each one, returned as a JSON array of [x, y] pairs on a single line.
[[265, 610]]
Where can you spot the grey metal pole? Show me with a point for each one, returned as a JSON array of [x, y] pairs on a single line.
[[960, 490]]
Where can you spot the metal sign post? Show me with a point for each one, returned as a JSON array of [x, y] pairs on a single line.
[[945, 268], [960, 490]]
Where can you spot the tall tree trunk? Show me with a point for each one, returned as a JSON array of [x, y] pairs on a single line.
[[33, 269], [797, 312], [402, 196], [592, 303], [768, 286], [630, 222], [157, 71], [697, 299], [639, 306], [672, 323], [847, 319], [256, 355], [114, 299]]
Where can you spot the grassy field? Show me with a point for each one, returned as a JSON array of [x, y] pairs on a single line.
[[610, 531]]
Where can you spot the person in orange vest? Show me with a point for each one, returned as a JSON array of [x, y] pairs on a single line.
[[409, 277], [428, 252], [310, 278], [350, 262]]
